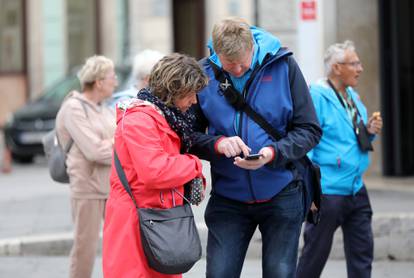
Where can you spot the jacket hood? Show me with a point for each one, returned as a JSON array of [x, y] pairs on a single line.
[[137, 105], [265, 43], [322, 87], [81, 97]]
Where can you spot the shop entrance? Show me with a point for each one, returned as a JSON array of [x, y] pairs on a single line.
[[397, 85]]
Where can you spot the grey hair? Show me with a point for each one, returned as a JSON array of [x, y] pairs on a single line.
[[144, 62], [336, 54], [95, 68]]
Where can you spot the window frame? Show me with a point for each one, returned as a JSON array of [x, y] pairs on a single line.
[[23, 31]]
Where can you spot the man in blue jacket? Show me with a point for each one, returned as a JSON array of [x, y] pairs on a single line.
[[343, 161], [264, 192]]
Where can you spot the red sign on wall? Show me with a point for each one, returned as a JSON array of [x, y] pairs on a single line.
[[308, 10]]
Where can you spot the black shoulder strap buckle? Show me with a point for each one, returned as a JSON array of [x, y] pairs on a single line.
[[225, 85]]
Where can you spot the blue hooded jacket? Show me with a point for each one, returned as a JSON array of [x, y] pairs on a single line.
[[277, 90], [341, 161]]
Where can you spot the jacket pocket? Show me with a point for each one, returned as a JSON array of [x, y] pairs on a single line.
[[338, 161]]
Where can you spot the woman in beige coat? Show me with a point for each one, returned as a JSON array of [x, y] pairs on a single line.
[[91, 125]]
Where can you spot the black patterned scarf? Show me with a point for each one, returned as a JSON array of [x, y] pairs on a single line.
[[180, 122]]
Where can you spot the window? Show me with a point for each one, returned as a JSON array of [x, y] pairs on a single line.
[[82, 31], [11, 36]]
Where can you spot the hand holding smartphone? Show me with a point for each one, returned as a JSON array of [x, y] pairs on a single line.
[[253, 156]]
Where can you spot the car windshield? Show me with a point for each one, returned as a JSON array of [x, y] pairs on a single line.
[[59, 90]]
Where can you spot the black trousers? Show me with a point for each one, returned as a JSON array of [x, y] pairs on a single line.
[[354, 215]]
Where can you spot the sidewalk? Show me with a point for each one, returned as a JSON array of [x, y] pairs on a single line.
[[35, 221], [57, 267]]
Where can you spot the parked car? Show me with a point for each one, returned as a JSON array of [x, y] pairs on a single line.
[[26, 126]]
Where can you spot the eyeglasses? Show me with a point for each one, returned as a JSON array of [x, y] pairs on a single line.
[[352, 64], [112, 76]]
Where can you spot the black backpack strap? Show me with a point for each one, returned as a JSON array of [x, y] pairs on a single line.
[[68, 146], [236, 99]]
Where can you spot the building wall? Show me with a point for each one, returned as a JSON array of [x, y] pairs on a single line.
[[35, 73], [109, 29], [279, 18], [358, 21], [54, 41], [151, 21], [336, 21], [150, 25], [47, 40], [220, 9], [13, 81], [12, 94]]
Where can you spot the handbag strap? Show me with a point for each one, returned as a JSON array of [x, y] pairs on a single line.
[[122, 177]]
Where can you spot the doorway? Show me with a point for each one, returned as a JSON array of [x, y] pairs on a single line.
[[189, 27], [397, 85]]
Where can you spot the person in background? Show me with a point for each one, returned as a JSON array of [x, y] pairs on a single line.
[[143, 63], [152, 139], [91, 124], [345, 202], [265, 192], [6, 166]]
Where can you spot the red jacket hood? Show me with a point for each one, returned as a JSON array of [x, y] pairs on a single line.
[[137, 105]]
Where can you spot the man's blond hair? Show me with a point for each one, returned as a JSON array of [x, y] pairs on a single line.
[[232, 37]]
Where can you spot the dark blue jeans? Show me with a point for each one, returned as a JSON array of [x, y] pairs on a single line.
[[231, 225], [353, 214]]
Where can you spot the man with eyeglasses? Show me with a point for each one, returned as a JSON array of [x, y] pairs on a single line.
[[343, 159], [261, 190]]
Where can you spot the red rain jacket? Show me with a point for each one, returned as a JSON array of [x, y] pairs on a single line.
[[149, 151]]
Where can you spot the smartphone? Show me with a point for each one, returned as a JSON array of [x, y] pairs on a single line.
[[253, 156]]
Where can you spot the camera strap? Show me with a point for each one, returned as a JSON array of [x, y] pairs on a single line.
[[351, 104]]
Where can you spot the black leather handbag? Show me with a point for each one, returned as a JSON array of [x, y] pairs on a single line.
[[169, 237], [363, 137]]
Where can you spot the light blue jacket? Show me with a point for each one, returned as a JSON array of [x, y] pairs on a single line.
[[121, 96], [338, 154]]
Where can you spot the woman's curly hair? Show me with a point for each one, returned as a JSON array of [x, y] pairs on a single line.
[[175, 76]]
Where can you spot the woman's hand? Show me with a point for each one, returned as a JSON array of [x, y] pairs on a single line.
[[232, 146]]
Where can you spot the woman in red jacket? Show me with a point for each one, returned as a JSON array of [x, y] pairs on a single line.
[[151, 140]]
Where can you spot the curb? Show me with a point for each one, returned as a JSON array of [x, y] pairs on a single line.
[[39, 245], [393, 238]]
